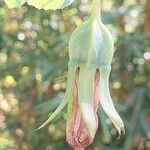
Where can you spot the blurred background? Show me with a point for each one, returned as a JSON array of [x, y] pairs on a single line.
[[33, 73]]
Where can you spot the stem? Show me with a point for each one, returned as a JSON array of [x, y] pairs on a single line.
[[96, 10]]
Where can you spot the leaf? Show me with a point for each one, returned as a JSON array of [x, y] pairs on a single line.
[[50, 4], [40, 4], [14, 3]]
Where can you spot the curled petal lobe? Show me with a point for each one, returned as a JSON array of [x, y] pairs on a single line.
[[106, 101], [71, 74]]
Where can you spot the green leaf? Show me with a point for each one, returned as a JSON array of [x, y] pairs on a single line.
[[50, 4], [40, 4], [14, 3]]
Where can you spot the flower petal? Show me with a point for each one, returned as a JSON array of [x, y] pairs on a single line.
[[71, 75], [86, 98], [77, 133], [106, 101]]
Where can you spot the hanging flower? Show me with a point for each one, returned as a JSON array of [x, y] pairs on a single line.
[[90, 51]]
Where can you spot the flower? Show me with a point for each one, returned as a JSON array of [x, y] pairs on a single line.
[[90, 54]]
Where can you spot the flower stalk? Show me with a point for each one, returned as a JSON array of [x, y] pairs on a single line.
[[96, 9]]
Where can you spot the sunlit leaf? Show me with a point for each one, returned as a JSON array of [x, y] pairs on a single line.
[[14, 3], [40, 4], [53, 4]]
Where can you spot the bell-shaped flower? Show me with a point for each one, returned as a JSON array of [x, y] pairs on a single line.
[[90, 54]]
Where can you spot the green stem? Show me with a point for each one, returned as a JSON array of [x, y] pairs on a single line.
[[96, 10]]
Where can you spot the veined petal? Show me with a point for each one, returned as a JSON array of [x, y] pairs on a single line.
[[106, 101], [77, 133], [86, 98], [71, 75]]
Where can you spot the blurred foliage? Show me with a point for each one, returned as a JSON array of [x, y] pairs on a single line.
[[33, 72]]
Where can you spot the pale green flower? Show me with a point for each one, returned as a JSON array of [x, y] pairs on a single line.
[[90, 51]]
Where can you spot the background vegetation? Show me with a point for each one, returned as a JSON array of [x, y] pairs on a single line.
[[33, 72]]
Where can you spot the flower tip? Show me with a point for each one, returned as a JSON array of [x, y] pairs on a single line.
[[38, 128], [122, 130]]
